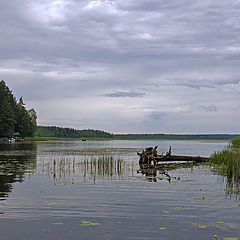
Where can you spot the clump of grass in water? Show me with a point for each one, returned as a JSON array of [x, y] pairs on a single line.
[[104, 166], [227, 162], [236, 143]]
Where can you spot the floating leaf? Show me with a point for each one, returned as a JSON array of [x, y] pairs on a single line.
[[178, 208], [165, 211], [220, 222], [161, 228], [88, 223], [106, 205], [230, 238], [221, 227], [200, 226], [57, 223]]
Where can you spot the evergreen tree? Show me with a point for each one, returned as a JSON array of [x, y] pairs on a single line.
[[7, 116], [14, 117], [33, 122]]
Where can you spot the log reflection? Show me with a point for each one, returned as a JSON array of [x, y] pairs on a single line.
[[154, 172]]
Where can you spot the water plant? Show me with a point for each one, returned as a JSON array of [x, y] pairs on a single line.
[[227, 163], [104, 166], [236, 142]]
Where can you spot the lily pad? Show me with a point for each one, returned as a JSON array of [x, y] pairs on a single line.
[[220, 227], [230, 238], [178, 208], [161, 228], [165, 211], [88, 223], [201, 226]]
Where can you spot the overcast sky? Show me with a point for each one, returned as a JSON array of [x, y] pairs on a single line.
[[125, 66]]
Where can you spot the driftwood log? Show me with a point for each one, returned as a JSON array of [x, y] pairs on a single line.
[[149, 156]]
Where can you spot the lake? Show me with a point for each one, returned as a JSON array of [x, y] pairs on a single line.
[[97, 190]]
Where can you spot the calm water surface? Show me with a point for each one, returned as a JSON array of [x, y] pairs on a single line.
[[66, 190]]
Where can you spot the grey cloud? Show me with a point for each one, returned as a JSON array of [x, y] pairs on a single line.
[[159, 116], [208, 108], [181, 53], [131, 94]]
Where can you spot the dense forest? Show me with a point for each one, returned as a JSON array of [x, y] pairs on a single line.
[[176, 136], [14, 117], [60, 132]]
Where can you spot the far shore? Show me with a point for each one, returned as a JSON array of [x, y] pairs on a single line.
[[117, 138]]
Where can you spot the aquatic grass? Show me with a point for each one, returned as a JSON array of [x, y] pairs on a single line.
[[90, 168], [228, 162], [236, 142]]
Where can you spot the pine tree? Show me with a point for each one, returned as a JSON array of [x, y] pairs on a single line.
[[14, 117]]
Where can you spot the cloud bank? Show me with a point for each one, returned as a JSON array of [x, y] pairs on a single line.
[[125, 66]]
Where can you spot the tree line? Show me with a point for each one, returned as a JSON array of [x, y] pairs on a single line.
[[176, 136], [14, 117], [53, 131]]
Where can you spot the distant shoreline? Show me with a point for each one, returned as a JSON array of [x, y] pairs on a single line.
[[121, 139]]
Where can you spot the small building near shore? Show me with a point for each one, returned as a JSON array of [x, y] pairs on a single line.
[[17, 136]]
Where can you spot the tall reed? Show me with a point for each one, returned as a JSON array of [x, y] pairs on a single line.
[[236, 142], [228, 160]]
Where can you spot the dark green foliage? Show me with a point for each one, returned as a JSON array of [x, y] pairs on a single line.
[[59, 132], [176, 136], [236, 142], [14, 117], [7, 116], [228, 160]]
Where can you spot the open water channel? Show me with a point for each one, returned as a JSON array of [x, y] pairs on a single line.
[[60, 190]]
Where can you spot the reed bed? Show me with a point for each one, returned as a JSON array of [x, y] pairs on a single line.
[[228, 160], [236, 143], [89, 168]]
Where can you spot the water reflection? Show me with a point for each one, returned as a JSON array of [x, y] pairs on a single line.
[[232, 188], [15, 161], [18, 159], [152, 171], [20, 146]]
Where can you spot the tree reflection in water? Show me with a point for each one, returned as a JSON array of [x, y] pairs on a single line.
[[15, 161]]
